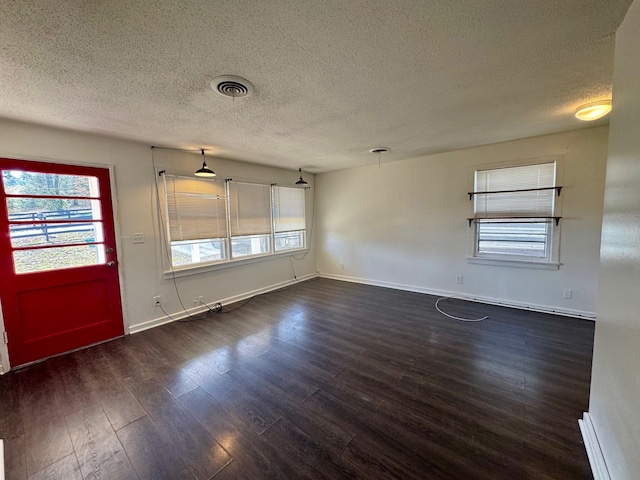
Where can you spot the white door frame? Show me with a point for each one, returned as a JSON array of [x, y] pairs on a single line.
[[4, 350]]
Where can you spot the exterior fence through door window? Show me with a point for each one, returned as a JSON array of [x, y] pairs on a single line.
[[54, 220]]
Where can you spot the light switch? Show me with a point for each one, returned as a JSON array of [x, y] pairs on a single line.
[[137, 238]]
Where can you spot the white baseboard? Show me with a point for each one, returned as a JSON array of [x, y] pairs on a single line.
[[156, 322], [594, 452], [468, 296], [1, 460]]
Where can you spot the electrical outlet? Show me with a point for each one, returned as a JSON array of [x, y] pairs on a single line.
[[199, 300], [137, 238], [567, 293], [156, 301], [342, 266], [459, 279]]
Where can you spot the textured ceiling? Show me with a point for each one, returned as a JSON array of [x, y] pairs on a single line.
[[333, 78]]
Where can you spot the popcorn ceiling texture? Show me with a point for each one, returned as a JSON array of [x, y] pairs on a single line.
[[333, 78]]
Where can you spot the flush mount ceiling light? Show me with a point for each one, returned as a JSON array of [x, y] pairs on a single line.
[[301, 183], [232, 86], [204, 171], [593, 110]]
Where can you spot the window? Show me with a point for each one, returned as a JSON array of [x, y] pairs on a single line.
[[250, 219], [196, 219], [514, 213], [216, 222], [288, 218]]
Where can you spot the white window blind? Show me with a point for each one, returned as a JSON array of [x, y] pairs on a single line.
[[288, 209], [249, 208], [538, 203], [196, 208]]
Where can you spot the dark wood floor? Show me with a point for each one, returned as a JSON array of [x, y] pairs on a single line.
[[323, 380]]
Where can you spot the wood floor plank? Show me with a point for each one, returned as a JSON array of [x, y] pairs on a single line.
[[64, 469], [217, 361], [309, 455], [297, 388], [235, 395], [291, 363], [297, 348], [175, 380], [119, 405], [370, 459], [322, 379], [323, 431], [95, 372], [152, 457], [15, 458], [198, 450], [125, 363], [97, 447], [11, 419], [47, 439], [252, 456], [70, 391]]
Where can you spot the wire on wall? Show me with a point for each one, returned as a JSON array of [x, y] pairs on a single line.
[[165, 313], [163, 233], [313, 222]]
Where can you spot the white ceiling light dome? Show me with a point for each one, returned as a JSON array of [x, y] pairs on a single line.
[[593, 110]]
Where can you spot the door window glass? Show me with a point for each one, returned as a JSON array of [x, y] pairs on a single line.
[[54, 220], [17, 182], [43, 259]]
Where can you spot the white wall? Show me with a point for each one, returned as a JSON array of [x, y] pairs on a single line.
[[404, 224], [141, 264], [615, 388]]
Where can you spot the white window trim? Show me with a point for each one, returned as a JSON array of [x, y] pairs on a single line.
[[552, 260], [223, 264], [170, 271], [504, 262]]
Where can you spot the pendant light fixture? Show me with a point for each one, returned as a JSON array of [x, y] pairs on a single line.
[[204, 171], [301, 183], [379, 151]]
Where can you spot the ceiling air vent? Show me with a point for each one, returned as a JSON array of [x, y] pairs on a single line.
[[232, 86]]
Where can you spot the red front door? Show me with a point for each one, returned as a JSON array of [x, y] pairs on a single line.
[[59, 283]]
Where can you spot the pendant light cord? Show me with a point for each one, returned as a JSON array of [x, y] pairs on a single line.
[[163, 235]]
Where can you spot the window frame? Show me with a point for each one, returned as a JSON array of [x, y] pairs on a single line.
[[248, 235], [551, 260], [166, 237], [301, 232], [172, 271]]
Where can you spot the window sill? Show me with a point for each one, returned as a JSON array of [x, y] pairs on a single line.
[[209, 267], [514, 263]]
